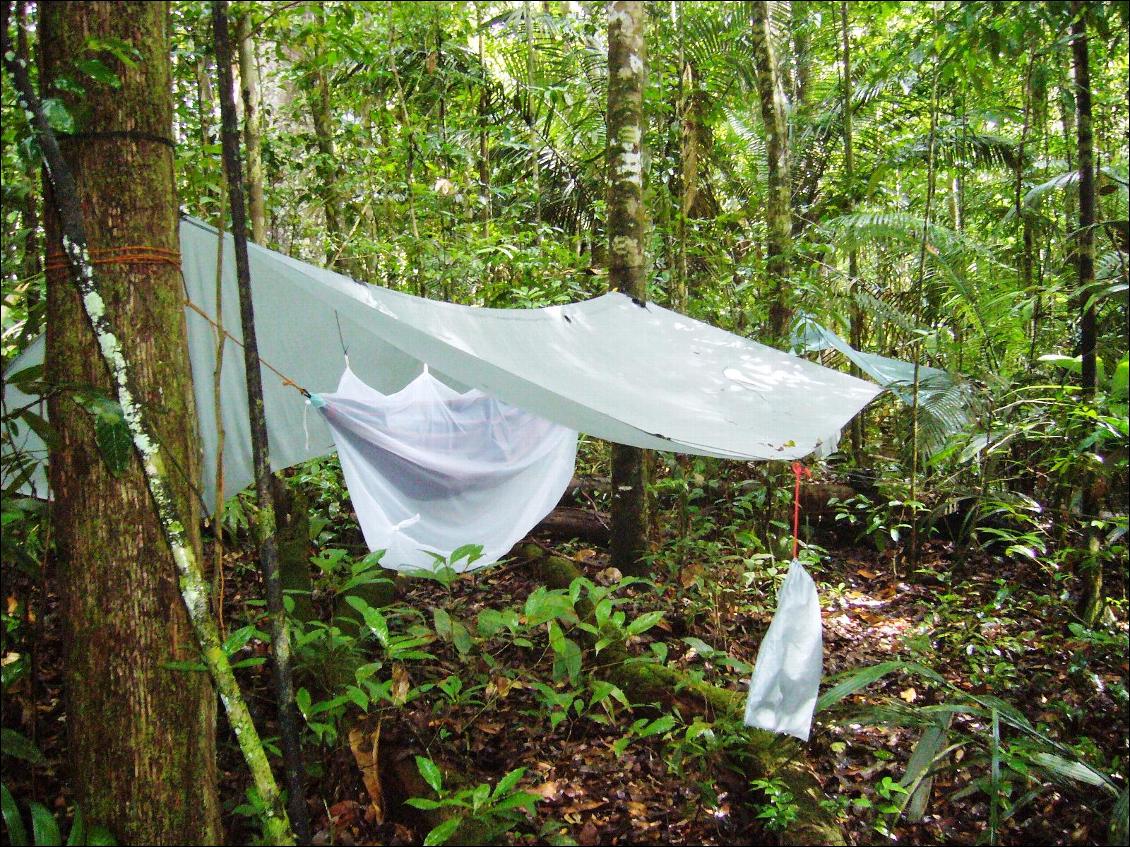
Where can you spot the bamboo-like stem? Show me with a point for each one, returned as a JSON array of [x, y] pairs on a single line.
[[193, 587], [856, 327], [289, 728], [218, 416], [535, 146], [919, 282]]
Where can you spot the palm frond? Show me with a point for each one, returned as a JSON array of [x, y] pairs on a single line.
[[957, 146]]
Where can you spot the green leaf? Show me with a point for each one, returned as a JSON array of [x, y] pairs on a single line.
[[917, 778], [489, 622], [17, 835], [480, 795], [699, 728], [556, 638], [111, 433], [377, 623], [507, 782], [461, 638], [57, 115], [302, 700], [44, 827], [77, 834], [519, 799], [442, 623], [661, 724], [19, 746], [423, 803], [571, 654], [42, 428], [1120, 380], [97, 71], [1074, 770], [358, 697], [431, 773], [644, 622], [443, 832], [470, 552], [101, 837], [857, 680]]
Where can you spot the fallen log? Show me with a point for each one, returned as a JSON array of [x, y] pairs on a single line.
[[582, 488], [564, 523], [772, 756]]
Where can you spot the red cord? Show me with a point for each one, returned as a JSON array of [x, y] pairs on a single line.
[[799, 470]]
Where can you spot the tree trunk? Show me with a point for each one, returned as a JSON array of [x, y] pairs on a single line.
[[625, 251], [265, 520], [535, 145], [689, 132], [31, 265], [778, 215], [1091, 604], [856, 328], [484, 146], [802, 60], [141, 737], [252, 128], [321, 114]]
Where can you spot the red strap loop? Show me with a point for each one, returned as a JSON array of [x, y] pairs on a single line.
[[799, 470]]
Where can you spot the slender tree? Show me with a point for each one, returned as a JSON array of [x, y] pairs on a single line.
[[626, 20], [1091, 604], [266, 518], [252, 127], [778, 202], [141, 736], [856, 328]]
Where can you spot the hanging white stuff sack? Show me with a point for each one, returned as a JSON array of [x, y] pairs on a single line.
[[786, 678]]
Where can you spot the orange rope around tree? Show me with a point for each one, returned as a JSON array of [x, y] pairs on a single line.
[[135, 254], [146, 255]]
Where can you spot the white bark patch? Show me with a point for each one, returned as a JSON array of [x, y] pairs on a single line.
[[619, 16], [625, 245], [629, 163], [635, 63]]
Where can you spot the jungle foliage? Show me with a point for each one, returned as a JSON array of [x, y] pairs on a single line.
[[971, 544]]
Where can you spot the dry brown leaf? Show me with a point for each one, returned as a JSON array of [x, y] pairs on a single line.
[[366, 750], [401, 685], [584, 555], [583, 806], [589, 835], [689, 574], [909, 695], [502, 684], [548, 790], [609, 576]]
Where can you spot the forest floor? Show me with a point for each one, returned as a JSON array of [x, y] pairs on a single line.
[[988, 625]]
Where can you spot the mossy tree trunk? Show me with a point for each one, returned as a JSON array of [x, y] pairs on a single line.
[[856, 326], [625, 251], [141, 736], [1091, 603], [778, 204], [252, 128]]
